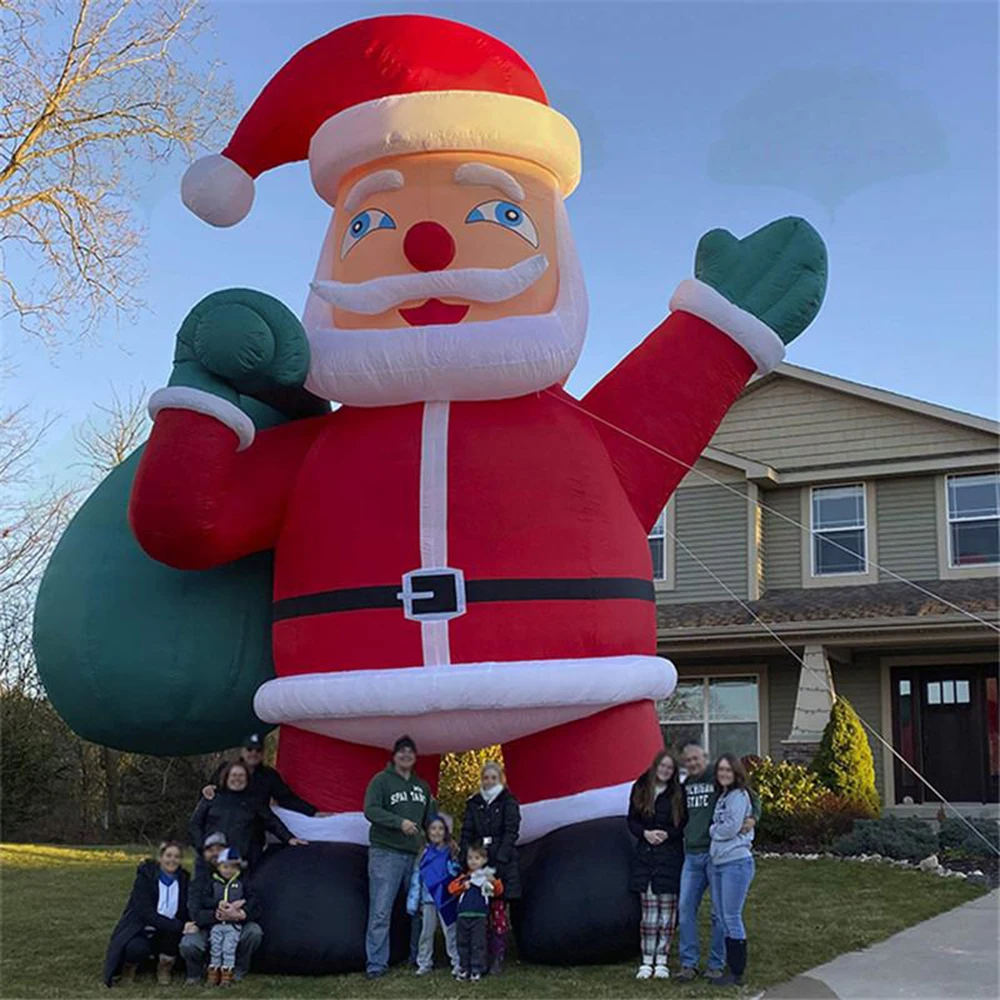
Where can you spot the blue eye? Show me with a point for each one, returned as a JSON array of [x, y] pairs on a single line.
[[508, 215], [361, 225]]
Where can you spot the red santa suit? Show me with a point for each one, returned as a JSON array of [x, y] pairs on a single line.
[[468, 572]]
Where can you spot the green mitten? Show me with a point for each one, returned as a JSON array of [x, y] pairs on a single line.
[[777, 274]]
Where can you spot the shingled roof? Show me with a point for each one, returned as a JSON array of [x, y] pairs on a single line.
[[876, 601]]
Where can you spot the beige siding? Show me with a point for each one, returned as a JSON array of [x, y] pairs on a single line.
[[782, 687], [790, 424], [782, 540], [712, 522], [860, 683], [706, 472], [907, 527]]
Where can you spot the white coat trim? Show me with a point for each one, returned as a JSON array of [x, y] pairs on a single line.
[[540, 818], [343, 828], [753, 335], [434, 520], [181, 397], [462, 706]]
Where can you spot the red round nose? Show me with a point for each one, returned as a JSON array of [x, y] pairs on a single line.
[[429, 246]]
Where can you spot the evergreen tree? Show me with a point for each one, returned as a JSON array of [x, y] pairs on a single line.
[[844, 762]]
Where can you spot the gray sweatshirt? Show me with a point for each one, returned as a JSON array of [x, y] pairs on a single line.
[[728, 844]]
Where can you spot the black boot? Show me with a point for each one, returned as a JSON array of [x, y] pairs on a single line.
[[736, 962], [576, 908]]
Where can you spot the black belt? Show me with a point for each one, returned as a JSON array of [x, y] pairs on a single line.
[[444, 594]]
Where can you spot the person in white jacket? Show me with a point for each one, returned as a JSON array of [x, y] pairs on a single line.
[[732, 861]]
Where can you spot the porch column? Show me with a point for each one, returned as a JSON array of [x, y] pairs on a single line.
[[812, 706]]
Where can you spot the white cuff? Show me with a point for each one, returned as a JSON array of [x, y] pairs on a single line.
[[540, 818], [753, 335], [180, 397], [342, 828]]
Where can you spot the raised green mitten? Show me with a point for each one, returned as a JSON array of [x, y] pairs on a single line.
[[241, 341], [777, 274]]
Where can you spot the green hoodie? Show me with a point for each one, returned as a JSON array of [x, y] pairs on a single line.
[[700, 796], [389, 800]]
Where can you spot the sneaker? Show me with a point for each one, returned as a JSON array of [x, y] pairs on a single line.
[[423, 970], [726, 979], [687, 974], [645, 972], [462, 976], [713, 974], [374, 973], [475, 977], [661, 972], [191, 981]]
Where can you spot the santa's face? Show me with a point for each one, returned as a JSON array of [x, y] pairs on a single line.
[[445, 276]]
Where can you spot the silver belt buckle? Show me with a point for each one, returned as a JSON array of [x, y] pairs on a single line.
[[433, 595]]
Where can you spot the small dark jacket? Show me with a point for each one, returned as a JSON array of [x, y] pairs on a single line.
[[500, 820], [140, 913], [240, 817], [659, 866], [266, 784], [206, 892]]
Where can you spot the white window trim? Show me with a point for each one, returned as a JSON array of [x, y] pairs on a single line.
[[758, 673], [809, 577], [945, 569], [669, 581]]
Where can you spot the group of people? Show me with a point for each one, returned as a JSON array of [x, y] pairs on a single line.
[[692, 832]]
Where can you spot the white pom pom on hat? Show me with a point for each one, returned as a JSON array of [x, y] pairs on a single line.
[[217, 190]]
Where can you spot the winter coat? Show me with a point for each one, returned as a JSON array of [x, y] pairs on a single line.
[[266, 784], [140, 913], [658, 866], [206, 892], [499, 823], [240, 817]]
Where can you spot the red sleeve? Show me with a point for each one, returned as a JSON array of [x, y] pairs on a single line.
[[197, 502], [672, 391]]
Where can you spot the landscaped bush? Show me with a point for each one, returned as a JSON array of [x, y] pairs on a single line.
[[907, 839], [844, 762], [459, 778], [955, 836]]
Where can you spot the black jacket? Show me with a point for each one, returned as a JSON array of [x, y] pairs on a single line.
[[659, 866], [240, 817], [140, 913], [266, 784], [204, 896], [500, 820]]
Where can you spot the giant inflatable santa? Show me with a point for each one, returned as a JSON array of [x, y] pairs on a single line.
[[459, 549]]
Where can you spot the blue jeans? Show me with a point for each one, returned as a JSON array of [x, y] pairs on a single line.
[[696, 877], [388, 872], [730, 885]]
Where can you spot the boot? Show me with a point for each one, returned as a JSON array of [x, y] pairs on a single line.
[[164, 969], [496, 966], [736, 960], [213, 975], [226, 977], [128, 973]]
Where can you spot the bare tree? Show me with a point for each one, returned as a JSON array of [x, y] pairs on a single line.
[[90, 89], [106, 440]]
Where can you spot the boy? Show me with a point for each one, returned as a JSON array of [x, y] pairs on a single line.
[[231, 896], [475, 889]]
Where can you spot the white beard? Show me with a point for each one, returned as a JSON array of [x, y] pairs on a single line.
[[489, 359]]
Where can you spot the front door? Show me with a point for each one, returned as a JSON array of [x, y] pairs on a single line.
[[952, 745]]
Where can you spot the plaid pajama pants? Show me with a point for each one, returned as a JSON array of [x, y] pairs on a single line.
[[658, 922]]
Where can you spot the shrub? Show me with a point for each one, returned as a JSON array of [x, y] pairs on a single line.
[[844, 763], [907, 839], [784, 788], [459, 778], [954, 835]]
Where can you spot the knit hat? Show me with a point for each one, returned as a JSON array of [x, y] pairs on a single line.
[[402, 743], [253, 742], [214, 838], [379, 87]]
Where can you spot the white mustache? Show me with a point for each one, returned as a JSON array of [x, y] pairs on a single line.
[[475, 284]]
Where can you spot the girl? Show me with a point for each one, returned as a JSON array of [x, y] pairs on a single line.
[[429, 895], [493, 816], [656, 818], [153, 920], [732, 861]]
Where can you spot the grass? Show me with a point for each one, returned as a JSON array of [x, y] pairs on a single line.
[[58, 905]]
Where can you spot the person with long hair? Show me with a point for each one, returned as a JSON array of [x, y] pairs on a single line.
[[656, 818], [732, 861]]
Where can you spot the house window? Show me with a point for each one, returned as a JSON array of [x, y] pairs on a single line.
[[974, 519], [721, 713], [839, 530], [658, 546]]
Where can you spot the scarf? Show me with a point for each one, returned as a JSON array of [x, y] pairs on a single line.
[[489, 794]]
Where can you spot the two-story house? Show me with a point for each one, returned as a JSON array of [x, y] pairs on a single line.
[[817, 499]]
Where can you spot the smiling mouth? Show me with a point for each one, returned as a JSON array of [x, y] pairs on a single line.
[[434, 312]]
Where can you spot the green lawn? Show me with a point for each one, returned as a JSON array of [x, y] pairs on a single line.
[[59, 905]]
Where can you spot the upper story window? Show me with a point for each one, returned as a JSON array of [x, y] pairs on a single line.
[[974, 519], [658, 546], [839, 530]]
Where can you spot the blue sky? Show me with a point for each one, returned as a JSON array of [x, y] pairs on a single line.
[[875, 121]]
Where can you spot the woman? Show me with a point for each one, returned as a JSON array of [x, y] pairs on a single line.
[[232, 811], [153, 920], [493, 816], [656, 818], [732, 861]]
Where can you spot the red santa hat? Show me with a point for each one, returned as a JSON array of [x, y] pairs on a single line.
[[381, 87]]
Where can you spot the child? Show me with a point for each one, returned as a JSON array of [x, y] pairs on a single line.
[[231, 895], [475, 889], [429, 896]]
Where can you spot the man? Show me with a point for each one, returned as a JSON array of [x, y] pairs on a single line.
[[397, 804], [201, 909], [699, 791]]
